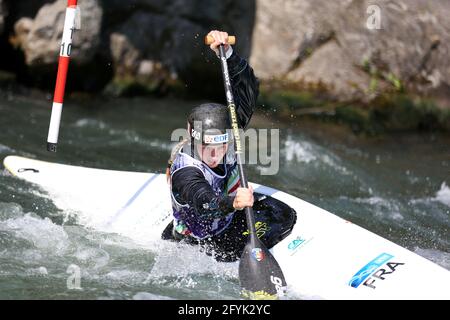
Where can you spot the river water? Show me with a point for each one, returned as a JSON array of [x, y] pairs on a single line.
[[396, 187]]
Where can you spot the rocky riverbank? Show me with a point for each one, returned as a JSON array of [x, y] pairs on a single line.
[[375, 65]]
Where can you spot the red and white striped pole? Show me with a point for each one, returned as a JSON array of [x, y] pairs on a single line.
[[63, 66]]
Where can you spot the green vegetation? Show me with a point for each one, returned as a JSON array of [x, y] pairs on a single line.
[[379, 74], [7, 78], [390, 112], [130, 86]]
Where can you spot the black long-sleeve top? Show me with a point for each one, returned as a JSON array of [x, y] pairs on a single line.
[[188, 184]]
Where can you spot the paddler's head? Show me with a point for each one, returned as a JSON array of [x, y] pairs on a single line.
[[208, 126]]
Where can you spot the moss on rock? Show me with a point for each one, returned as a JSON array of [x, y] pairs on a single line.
[[130, 86], [391, 112]]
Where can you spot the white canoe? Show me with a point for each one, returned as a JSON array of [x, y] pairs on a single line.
[[324, 257]]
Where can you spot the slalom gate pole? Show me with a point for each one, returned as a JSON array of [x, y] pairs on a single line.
[[63, 66]]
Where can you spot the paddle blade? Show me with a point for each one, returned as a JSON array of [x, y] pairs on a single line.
[[260, 275]]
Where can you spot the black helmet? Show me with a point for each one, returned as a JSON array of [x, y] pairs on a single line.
[[208, 123]]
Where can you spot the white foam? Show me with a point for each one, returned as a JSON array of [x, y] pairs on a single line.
[[41, 271], [4, 148], [181, 260], [300, 150], [443, 195], [373, 201], [10, 210], [119, 136], [439, 257], [306, 152], [129, 277], [95, 257], [85, 122], [383, 207], [43, 233], [150, 296]]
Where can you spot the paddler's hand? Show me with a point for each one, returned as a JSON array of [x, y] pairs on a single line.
[[220, 37], [244, 198]]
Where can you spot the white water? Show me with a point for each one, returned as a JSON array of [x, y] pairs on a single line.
[[443, 195], [403, 196]]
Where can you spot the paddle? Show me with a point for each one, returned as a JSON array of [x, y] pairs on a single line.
[[260, 275]]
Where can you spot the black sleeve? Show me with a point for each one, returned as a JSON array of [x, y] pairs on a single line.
[[245, 88], [190, 186]]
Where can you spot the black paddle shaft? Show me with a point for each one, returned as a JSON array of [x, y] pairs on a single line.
[[237, 137], [259, 273]]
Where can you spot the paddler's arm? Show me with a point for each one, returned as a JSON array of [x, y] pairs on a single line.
[[244, 84], [190, 186], [245, 88]]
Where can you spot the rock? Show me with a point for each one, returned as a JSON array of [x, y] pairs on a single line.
[[412, 44], [146, 68], [3, 15], [168, 34], [329, 66], [123, 51], [353, 49], [339, 43], [285, 32], [20, 9], [142, 55], [22, 29], [154, 37], [147, 41], [40, 38], [236, 17]]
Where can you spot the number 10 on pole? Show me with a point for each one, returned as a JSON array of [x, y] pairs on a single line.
[[63, 66]]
